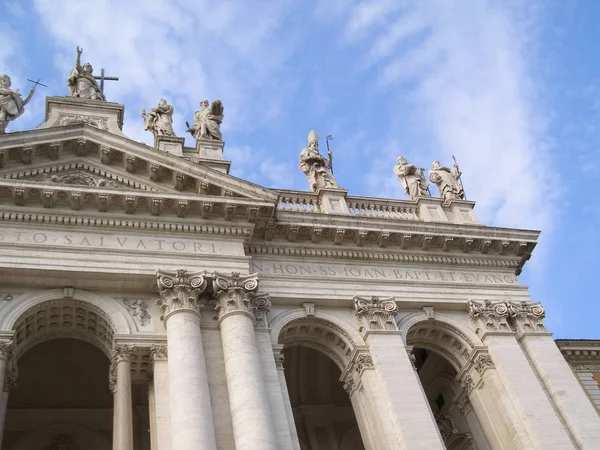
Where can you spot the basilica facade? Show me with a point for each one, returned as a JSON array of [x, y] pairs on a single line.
[[151, 301]]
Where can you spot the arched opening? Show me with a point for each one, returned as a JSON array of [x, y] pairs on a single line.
[[61, 361], [440, 351], [315, 354]]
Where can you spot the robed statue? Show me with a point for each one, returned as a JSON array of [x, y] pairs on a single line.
[[12, 105], [316, 168], [82, 83], [411, 178], [207, 121], [447, 181], [160, 119]]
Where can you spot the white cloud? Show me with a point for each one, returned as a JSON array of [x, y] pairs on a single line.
[[463, 74]]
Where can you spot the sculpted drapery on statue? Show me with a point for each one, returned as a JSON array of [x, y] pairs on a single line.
[[12, 105], [411, 178], [207, 121], [447, 181], [316, 168], [160, 119], [82, 83]]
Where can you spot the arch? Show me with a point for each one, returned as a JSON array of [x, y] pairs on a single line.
[[441, 335], [120, 320], [42, 437], [321, 335], [65, 318], [281, 320]]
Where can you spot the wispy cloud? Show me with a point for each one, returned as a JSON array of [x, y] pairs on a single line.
[[462, 72]]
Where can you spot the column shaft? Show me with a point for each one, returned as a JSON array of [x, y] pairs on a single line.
[[408, 407], [192, 426], [527, 395], [123, 414], [250, 412], [162, 415], [573, 405], [288, 407], [3, 410]]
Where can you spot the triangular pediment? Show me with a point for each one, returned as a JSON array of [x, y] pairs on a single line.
[[79, 154]]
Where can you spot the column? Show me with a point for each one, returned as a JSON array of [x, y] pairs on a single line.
[[237, 304], [160, 394], [362, 384], [572, 403], [521, 385], [192, 426], [10, 382], [285, 396], [121, 386], [407, 406], [5, 355]]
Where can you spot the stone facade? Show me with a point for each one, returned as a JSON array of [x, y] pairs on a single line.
[[223, 315]]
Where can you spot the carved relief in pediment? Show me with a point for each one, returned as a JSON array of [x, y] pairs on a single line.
[[78, 179]]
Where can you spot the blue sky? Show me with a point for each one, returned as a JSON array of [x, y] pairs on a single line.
[[510, 87]]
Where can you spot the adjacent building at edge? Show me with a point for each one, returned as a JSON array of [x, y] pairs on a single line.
[[151, 301]]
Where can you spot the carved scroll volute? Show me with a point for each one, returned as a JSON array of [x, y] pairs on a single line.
[[527, 317], [180, 290], [489, 316], [235, 293], [375, 314]]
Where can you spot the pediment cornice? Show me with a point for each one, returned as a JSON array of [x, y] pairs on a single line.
[[18, 150]]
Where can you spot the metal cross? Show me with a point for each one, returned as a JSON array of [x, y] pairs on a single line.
[[37, 82], [102, 78]]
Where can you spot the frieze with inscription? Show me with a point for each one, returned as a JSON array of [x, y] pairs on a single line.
[[113, 241], [341, 271]]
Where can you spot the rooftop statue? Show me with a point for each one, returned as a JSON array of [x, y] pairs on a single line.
[[160, 119], [448, 182], [82, 83], [412, 179], [207, 121], [12, 104], [316, 168]]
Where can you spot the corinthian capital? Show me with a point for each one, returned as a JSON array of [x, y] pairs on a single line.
[[489, 316], [122, 353], [6, 350], [180, 290], [527, 317], [375, 313], [235, 293]]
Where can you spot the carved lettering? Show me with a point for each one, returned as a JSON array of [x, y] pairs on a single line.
[[97, 240], [371, 273]]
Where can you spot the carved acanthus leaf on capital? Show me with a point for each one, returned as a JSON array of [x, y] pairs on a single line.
[[349, 384], [482, 363], [180, 290], [260, 305], [464, 405], [6, 350], [467, 383], [237, 293], [279, 359], [122, 353], [489, 316], [158, 353], [362, 362], [507, 315], [375, 313]]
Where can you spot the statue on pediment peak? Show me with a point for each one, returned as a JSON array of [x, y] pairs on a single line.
[[81, 81], [207, 121], [12, 105], [447, 181], [160, 119], [412, 179], [316, 168]]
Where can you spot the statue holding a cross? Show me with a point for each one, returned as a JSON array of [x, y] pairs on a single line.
[[82, 82]]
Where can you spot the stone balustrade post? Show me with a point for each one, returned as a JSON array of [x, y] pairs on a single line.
[[571, 401], [121, 387], [406, 403], [160, 394], [192, 426], [521, 388], [238, 305]]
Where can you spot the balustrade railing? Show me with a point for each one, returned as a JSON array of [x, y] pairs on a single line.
[[307, 202], [382, 209]]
